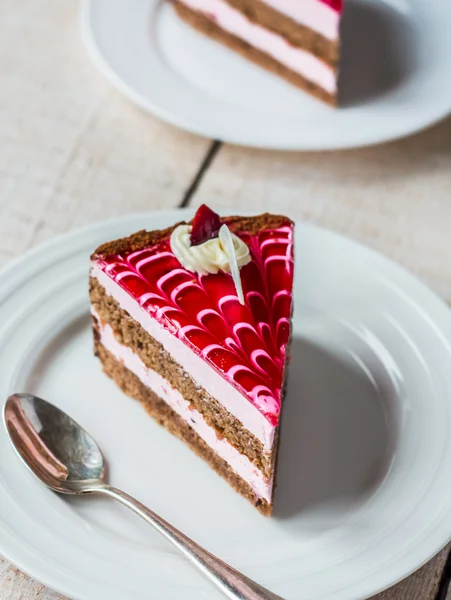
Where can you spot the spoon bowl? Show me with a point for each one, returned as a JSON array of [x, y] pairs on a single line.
[[53, 446]]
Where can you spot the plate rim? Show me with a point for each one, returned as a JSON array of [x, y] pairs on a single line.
[[102, 64], [59, 583]]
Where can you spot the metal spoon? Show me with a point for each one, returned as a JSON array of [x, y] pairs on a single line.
[[68, 460]]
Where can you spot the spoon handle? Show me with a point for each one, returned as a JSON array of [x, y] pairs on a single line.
[[234, 584]]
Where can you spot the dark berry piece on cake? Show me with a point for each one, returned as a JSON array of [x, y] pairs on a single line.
[[206, 225]]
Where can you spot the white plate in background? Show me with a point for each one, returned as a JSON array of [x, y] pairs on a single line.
[[364, 492], [396, 75]]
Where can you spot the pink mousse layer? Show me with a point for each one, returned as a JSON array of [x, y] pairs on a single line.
[[237, 461], [205, 375], [315, 14], [300, 61]]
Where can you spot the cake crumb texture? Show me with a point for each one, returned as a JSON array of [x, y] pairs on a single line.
[[295, 33], [165, 416]]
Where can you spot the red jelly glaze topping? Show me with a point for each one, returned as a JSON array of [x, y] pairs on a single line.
[[206, 225], [245, 344]]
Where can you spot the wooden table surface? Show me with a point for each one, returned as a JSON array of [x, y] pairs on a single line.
[[73, 151]]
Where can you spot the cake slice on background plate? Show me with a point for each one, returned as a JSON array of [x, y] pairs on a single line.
[[296, 39], [194, 322]]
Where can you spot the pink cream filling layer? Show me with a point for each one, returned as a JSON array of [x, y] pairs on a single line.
[[300, 61], [237, 461], [312, 13], [207, 378]]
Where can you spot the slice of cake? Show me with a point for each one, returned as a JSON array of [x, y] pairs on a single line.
[[194, 322], [296, 39]]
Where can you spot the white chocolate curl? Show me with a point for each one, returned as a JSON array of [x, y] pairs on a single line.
[[226, 253]]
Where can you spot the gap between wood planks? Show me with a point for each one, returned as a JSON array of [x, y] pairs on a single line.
[[445, 580], [208, 159]]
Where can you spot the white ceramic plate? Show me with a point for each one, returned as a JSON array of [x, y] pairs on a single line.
[[364, 488], [396, 75]]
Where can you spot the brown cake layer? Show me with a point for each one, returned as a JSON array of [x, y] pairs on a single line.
[[205, 25], [130, 333], [158, 409], [144, 239], [296, 34]]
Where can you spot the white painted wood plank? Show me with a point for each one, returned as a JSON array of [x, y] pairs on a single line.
[[14, 585], [73, 150]]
